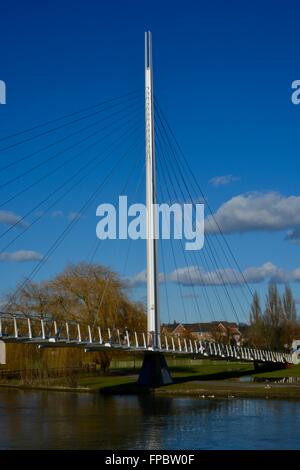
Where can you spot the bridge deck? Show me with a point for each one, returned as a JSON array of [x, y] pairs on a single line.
[[61, 334]]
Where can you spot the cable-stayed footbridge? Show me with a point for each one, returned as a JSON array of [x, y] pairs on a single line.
[[213, 274], [50, 333]]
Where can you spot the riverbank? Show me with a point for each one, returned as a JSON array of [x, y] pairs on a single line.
[[203, 390], [203, 379], [231, 389]]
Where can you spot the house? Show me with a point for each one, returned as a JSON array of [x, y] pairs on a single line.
[[210, 331]]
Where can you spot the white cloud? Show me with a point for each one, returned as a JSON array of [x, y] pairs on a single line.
[[137, 280], [21, 256], [256, 211], [268, 271], [140, 279], [193, 275], [10, 218], [223, 180]]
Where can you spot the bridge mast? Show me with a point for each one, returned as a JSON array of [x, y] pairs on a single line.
[[154, 369], [152, 245]]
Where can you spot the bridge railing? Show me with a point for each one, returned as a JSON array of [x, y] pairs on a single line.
[[50, 332]]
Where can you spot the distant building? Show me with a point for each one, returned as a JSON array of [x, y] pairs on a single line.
[[212, 331]]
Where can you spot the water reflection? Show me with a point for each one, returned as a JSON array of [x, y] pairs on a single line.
[[59, 420]]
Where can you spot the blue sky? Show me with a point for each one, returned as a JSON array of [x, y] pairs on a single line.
[[223, 74]]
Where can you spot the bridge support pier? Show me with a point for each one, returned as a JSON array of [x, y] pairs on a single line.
[[155, 371]]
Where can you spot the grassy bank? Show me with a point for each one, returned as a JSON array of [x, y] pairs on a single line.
[[196, 378]]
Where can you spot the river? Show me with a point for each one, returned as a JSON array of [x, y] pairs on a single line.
[[64, 420]]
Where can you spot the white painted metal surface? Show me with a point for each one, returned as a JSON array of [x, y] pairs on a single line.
[[153, 320]]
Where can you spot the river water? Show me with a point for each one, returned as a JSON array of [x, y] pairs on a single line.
[[59, 420]]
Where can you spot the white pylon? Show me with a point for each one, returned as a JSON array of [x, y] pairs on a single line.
[[153, 321]]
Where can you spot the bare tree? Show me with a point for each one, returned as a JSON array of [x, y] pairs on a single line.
[[89, 293], [289, 306], [257, 330], [276, 327]]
